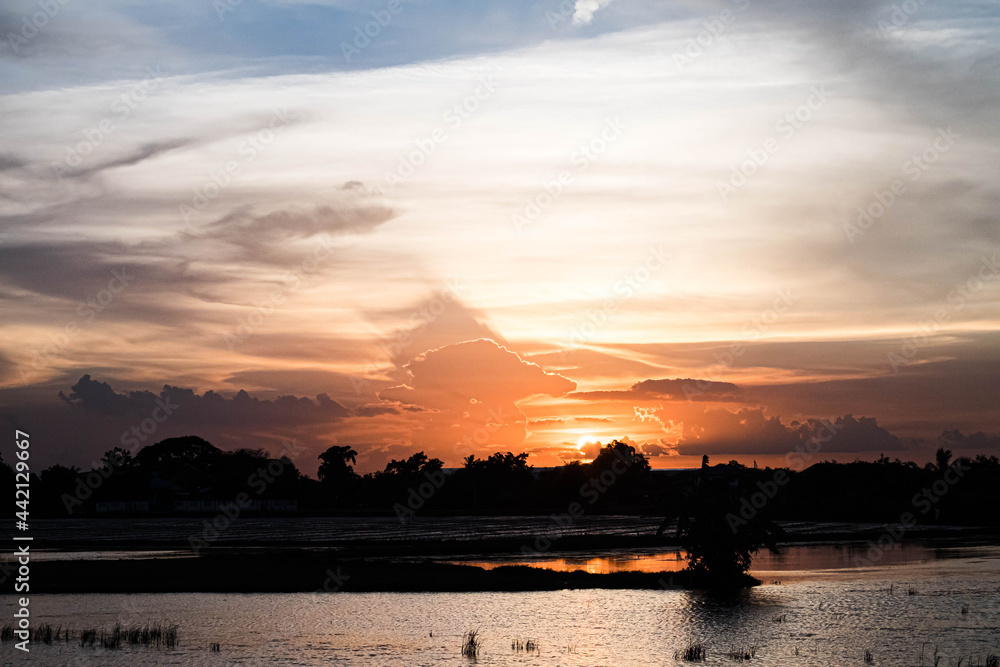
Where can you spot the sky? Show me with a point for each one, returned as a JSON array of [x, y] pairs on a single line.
[[740, 228]]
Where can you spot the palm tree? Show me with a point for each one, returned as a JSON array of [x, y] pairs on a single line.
[[335, 466], [943, 457]]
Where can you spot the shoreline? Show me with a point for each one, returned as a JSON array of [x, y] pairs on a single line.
[[327, 573]]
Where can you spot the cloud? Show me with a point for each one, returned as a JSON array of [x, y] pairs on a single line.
[[470, 391], [750, 431], [688, 389], [479, 370], [979, 440], [583, 12], [93, 416]]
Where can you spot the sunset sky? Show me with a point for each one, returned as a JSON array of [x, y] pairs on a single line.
[[501, 225]]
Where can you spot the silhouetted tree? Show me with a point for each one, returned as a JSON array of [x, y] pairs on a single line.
[[719, 535], [336, 463], [943, 458]]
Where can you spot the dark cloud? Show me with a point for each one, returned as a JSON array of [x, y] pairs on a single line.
[[140, 154], [10, 161], [688, 389], [241, 409], [751, 431], [978, 441]]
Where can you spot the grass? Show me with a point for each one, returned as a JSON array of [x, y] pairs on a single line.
[[869, 658], [743, 653], [780, 619], [529, 646], [155, 635], [992, 660], [471, 644], [693, 653], [214, 647]]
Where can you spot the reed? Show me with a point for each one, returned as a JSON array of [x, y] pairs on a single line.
[[743, 653], [694, 653], [471, 644]]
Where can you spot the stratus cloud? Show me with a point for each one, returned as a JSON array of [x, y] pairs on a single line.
[[583, 12]]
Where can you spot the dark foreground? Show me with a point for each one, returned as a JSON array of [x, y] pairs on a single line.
[[298, 572]]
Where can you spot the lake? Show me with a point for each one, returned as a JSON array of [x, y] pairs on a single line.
[[824, 611]]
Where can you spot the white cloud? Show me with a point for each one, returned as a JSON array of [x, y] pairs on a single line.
[[584, 11]]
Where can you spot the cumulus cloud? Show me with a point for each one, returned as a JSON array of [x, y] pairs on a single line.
[[583, 12], [471, 390]]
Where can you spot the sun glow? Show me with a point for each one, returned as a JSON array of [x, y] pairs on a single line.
[[585, 440]]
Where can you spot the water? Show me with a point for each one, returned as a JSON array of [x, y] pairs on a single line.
[[821, 616], [301, 530]]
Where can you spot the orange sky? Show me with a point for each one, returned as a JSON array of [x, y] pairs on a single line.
[[524, 244]]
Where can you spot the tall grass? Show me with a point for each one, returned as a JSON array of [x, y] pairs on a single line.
[[743, 653], [154, 635], [693, 653], [471, 644]]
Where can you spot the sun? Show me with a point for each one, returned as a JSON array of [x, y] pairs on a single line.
[[585, 439]]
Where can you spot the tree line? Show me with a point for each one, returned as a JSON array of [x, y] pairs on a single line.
[[618, 481]]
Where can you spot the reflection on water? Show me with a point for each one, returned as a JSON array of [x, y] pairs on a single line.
[[808, 561], [819, 620]]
